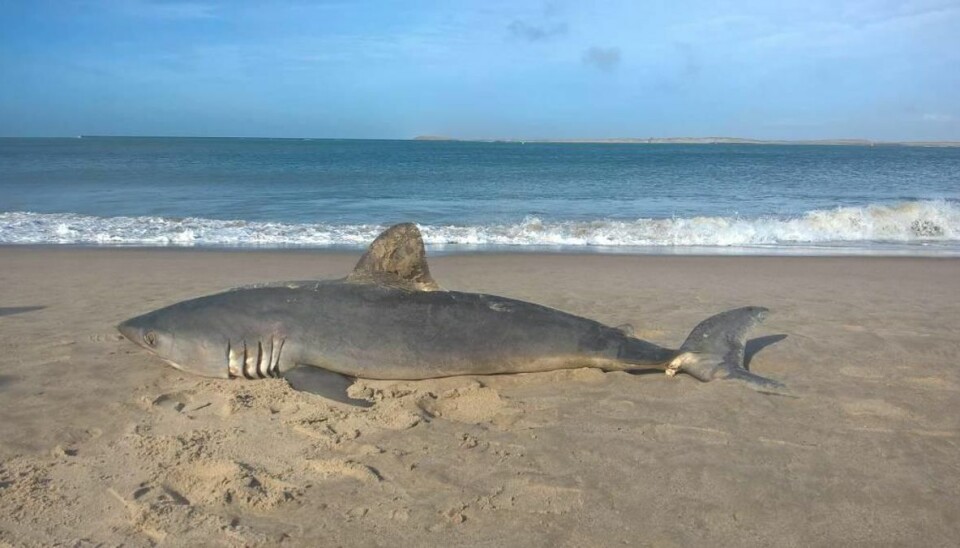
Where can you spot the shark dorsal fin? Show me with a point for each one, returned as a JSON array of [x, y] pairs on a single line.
[[396, 258]]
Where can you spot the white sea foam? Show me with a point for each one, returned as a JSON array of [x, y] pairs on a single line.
[[915, 222]]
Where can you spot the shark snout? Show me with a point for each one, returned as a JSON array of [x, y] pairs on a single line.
[[130, 331], [142, 331]]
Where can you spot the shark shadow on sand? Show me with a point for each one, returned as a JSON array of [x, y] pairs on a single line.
[[11, 310]]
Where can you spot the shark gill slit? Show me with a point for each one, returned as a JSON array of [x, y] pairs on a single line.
[[258, 367], [265, 365], [276, 363], [246, 361], [234, 361], [266, 358], [269, 357]]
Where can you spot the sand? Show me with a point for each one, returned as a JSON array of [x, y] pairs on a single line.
[[101, 443]]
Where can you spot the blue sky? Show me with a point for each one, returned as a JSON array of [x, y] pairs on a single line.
[[556, 69]]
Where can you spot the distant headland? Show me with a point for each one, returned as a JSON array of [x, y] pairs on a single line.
[[705, 141]]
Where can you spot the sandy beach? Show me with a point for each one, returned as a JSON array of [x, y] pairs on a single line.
[[103, 444]]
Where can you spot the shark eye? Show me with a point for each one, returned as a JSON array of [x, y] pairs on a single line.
[[150, 338]]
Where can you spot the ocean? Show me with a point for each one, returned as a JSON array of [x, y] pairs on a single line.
[[480, 196]]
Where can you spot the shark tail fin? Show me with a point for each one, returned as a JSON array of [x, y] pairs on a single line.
[[715, 349]]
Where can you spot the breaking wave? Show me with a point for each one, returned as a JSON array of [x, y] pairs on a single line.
[[914, 222]]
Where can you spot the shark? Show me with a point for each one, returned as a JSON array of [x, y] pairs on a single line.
[[389, 319]]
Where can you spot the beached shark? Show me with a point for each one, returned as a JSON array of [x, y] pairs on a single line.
[[390, 320]]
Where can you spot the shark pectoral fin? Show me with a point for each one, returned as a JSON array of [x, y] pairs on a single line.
[[321, 382]]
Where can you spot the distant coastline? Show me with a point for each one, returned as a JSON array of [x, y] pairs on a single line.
[[612, 140], [704, 141]]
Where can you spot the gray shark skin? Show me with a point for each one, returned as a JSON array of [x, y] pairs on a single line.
[[390, 320]]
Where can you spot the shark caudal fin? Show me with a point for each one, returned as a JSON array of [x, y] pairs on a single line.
[[715, 349]]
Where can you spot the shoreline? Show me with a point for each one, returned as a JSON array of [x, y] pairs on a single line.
[[101, 442], [456, 250]]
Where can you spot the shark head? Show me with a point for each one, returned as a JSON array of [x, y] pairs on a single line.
[[167, 333], [244, 332]]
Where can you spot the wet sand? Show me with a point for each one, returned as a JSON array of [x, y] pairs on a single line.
[[102, 443]]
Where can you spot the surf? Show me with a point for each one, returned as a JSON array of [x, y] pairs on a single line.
[[920, 226]]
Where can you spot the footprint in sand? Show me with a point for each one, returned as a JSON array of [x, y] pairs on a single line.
[[72, 440], [160, 512], [343, 468], [220, 481], [532, 497], [174, 401], [471, 404], [106, 337], [188, 404]]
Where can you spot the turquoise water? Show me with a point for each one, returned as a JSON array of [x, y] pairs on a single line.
[[467, 195]]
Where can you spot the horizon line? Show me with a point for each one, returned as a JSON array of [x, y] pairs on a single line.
[[849, 141]]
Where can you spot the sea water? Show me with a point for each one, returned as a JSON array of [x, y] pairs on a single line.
[[661, 198]]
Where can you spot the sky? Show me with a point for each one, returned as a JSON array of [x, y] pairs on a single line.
[[874, 69]]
